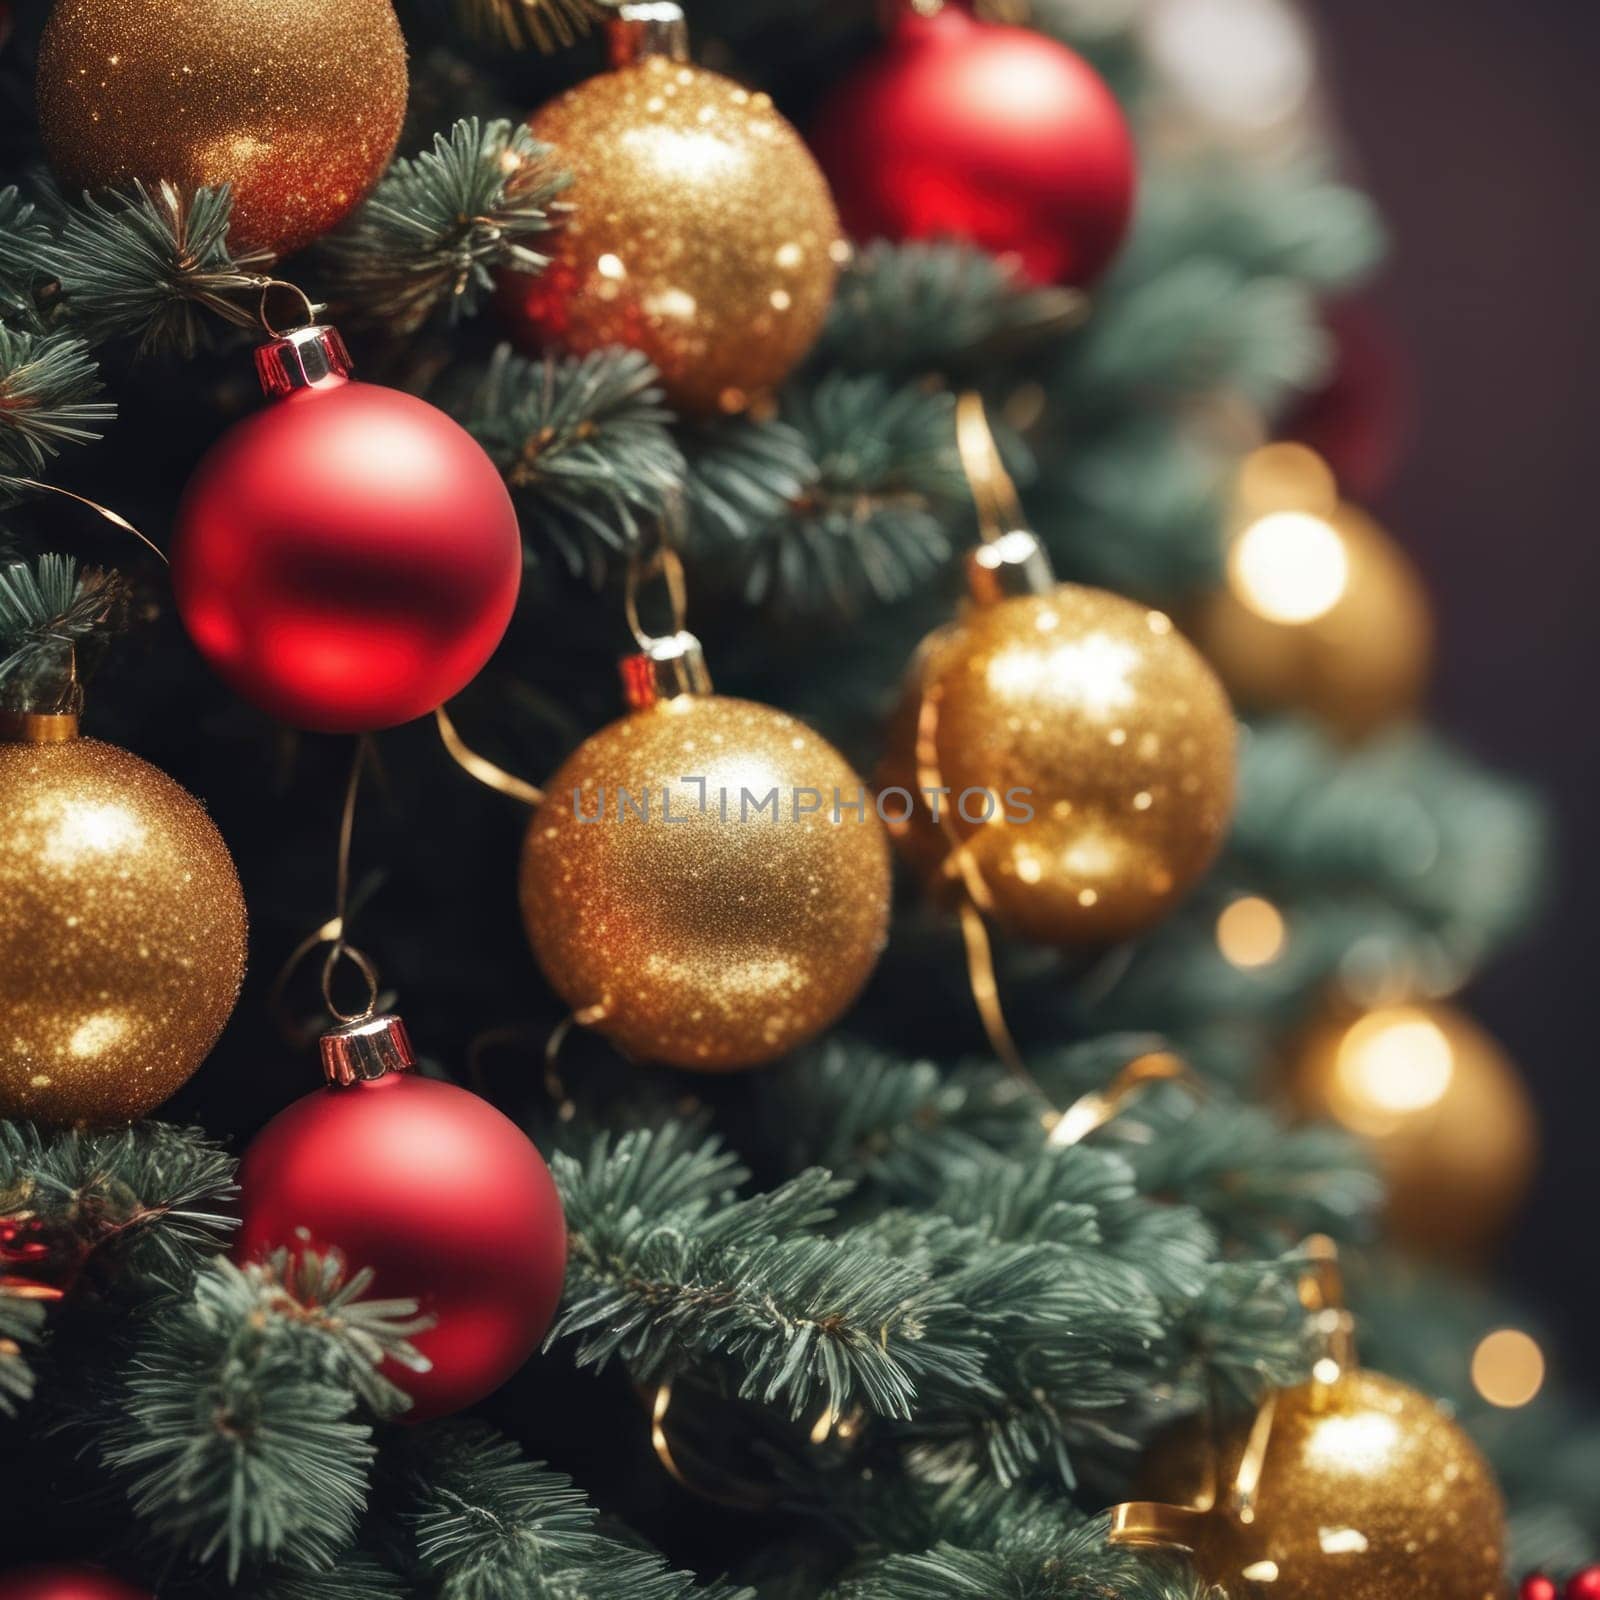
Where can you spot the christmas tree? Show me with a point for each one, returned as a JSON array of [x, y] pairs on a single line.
[[1096, 1204]]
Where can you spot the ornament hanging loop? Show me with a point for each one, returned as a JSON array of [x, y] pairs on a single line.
[[1010, 561], [1332, 1328], [667, 664], [308, 307], [639, 29]]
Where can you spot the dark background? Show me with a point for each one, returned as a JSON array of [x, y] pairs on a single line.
[[1476, 125]]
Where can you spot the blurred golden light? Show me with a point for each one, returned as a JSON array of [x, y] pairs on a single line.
[[1393, 1063], [1251, 932], [1285, 477], [1508, 1368], [1289, 566]]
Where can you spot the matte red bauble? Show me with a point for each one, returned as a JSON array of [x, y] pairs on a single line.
[[1584, 1585], [66, 1583], [348, 557], [995, 135], [445, 1199]]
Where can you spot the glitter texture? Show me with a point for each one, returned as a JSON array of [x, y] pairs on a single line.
[[1119, 734], [123, 936], [1368, 1492], [712, 944], [703, 233], [295, 103]]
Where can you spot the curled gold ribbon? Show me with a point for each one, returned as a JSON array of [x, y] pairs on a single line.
[[1095, 1109], [994, 495], [115, 518], [481, 767]]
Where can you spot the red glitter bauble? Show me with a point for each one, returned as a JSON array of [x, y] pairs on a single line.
[[996, 135], [66, 1583], [445, 1199], [347, 558], [1584, 1585]]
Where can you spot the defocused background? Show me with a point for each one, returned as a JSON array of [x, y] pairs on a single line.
[[1476, 125]]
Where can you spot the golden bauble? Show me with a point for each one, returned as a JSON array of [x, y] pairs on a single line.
[[122, 933], [1321, 612], [711, 941], [1368, 1492], [1094, 714], [1446, 1113], [702, 233], [294, 103]]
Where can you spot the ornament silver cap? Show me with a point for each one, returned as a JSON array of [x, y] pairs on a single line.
[[639, 29], [368, 1048], [665, 669], [302, 358]]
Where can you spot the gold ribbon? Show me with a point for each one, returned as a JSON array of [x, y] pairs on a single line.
[[481, 767], [116, 519], [1092, 1111], [994, 495]]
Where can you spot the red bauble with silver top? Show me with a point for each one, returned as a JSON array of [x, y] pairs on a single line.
[[445, 1199], [347, 558]]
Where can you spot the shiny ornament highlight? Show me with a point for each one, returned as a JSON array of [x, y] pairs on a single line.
[[347, 558], [723, 937], [295, 104], [702, 233], [1446, 1114], [1322, 611], [443, 1197], [1096, 715], [996, 135], [1368, 1491], [1538, 1587], [122, 940], [66, 1583]]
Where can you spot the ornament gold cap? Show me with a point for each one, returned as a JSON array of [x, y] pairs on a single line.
[[369, 1047], [639, 29], [302, 358], [1014, 564], [38, 727], [665, 669]]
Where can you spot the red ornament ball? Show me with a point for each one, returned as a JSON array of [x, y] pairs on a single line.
[[992, 134], [1584, 1585], [1538, 1587], [347, 558], [66, 1583], [445, 1199]]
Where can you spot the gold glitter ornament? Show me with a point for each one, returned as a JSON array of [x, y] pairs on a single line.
[[702, 231], [690, 888], [1350, 1485], [1446, 1114], [1105, 742], [296, 104], [1321, 610], [122, 938], [1368, 1491]]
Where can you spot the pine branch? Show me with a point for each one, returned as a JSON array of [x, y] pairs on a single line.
[[352, 1576], [153, 265], [24, 246], [666, 1268], [148, 1202], [868, 524], [234, 1437], [21, 1325], [903, 310], [47, 386], [440, 224], [546, 25], [46, 611], [584, 444], [483, 1523], [1044, 1565]]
